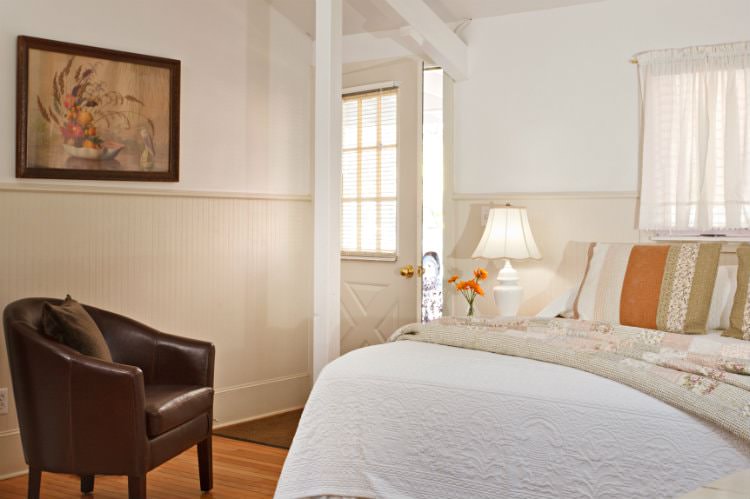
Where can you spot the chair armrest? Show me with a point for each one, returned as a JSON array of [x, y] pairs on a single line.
[[183, 361], [71, 407], [107, 408]]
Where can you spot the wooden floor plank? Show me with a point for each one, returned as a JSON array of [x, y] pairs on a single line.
[[242, 470]]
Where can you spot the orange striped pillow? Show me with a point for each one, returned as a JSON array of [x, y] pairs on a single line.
[[665, 287]]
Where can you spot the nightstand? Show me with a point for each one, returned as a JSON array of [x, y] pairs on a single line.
[[734, 486]]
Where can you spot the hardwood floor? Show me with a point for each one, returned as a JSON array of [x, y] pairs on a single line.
[[241, 470]]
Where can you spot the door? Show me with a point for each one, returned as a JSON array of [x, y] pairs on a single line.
[[380, 200]]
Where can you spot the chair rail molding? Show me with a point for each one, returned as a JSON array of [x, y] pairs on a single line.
[[127, 191], [484, 196]]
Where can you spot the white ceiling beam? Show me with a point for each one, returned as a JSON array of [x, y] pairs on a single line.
[[435, 37]]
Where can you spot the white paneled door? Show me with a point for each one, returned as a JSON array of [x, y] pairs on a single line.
[[380, 215]]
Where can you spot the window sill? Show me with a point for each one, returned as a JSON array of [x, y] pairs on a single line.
[[714, 239], [365, 258]]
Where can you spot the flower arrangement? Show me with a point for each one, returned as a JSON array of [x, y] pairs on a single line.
[[470, 289], [81, 101]]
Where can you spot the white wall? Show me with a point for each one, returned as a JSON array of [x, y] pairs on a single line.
[[551, 104], [246, 83], [230, 264], [548, 120]]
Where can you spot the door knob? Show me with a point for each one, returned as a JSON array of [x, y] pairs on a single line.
[[408, 271]]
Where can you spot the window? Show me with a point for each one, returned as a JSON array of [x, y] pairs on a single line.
[[369, 203], [695, 175]]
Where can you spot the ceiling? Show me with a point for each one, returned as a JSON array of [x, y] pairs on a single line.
[[362, 16]]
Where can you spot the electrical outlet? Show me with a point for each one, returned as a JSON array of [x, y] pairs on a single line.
[[3, 401]]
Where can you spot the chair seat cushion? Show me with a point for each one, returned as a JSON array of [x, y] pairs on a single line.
[[169, 406]]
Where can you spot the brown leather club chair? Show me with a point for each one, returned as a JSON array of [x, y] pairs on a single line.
[[84, 416]]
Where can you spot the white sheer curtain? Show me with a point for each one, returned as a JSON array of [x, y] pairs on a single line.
[[695, 139]]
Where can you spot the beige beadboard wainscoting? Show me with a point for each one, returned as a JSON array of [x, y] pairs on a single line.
[[233, 269], [555, 219]]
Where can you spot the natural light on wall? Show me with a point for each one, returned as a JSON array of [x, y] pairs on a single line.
[[369, 163]]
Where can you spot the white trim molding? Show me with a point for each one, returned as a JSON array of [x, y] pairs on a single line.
[[259, 416], [372, 87], [233, 404], [457, 196], [12, 462], [9, 433], [126, 191], [253, 384], [327, 205]]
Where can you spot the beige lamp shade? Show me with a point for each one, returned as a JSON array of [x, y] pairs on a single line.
[[507, 235]]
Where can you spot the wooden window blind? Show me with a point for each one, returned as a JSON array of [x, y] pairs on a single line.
[[369, 163]]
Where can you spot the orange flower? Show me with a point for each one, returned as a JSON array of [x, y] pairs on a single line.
[[463, 285], [453, 279], [476, 287], [480, 274]]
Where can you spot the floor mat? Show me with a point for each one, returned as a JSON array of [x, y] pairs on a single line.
[[276, 431]]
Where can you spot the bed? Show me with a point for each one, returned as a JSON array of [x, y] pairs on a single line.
[[421, 420]]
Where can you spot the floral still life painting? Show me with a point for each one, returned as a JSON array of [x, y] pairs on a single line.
[[90, 113]]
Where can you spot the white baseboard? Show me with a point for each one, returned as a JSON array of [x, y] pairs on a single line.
[[255, 400], [234, 404], [11, 455], [218, 426]]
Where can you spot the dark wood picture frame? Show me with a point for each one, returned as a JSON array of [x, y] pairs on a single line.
[[23, 101]]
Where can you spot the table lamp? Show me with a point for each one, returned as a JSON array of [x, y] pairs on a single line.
[[507, 235]]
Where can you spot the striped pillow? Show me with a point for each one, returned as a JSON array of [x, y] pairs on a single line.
[[665, 287], [739, 318]]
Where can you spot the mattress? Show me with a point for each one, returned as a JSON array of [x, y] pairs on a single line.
[[419, 420]]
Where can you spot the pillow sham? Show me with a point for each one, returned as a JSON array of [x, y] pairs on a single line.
[[739, 318], [727, 311], [70, 324], [665, 287], [559, 306], [721, 299]]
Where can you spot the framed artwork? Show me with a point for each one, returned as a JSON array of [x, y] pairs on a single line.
[[92, 113]]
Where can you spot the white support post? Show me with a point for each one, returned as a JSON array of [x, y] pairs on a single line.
[[327, 214], [438, 41]]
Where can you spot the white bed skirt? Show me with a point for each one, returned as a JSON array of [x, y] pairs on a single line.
[[418, 420]]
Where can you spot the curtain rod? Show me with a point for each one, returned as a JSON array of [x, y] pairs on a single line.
[[634, 59]]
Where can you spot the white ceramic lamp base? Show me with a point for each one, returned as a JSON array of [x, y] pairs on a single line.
[[508, 294]]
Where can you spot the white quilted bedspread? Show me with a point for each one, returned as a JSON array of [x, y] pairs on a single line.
[[419, 420]]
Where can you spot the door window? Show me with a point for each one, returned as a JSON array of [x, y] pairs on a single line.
[[369, 168]]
